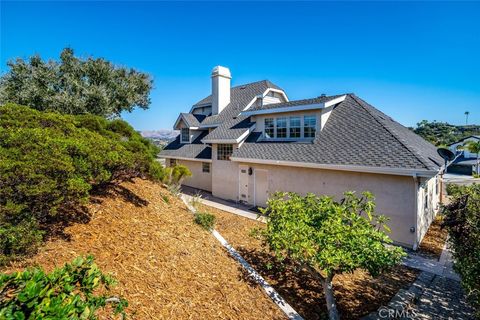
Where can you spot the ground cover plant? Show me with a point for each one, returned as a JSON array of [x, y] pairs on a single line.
[[205, 220], [49, 164], [327, 238], [462, 220], [70, 292]]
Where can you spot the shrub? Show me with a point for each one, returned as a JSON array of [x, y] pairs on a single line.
[[462, 220], [50, 162], [66, 293], [326, 238], [205, 220], [453, 189], [175, 175]]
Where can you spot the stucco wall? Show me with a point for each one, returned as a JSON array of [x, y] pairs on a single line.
[[224, 177], [199, 179], [395, 195], [428, 204]]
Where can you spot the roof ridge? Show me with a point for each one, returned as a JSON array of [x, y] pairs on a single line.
[[392, 132]]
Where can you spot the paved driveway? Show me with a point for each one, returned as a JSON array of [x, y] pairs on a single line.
[[459, 179]]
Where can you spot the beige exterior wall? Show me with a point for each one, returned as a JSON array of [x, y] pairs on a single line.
[[224, 177], [428, 199], [394, 195], [199, 179]]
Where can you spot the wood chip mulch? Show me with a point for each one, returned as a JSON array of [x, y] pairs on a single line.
[[167, 266], [434, 241], [357, 294]]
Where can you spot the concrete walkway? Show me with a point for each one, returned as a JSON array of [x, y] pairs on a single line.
[[228, 206]]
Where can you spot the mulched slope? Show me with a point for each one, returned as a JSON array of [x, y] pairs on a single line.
[[434, 241], [357, 294], [167, 267]]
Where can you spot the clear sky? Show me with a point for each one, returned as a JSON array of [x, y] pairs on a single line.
[[411, 60]]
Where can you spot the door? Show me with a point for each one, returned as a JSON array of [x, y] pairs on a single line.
[[261, 187], [243, 184]]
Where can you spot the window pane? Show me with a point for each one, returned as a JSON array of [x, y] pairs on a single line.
[[269, 128], [295, 127], [309, 126], [185, 135], [224, 151], [281, 127], [205, 167]]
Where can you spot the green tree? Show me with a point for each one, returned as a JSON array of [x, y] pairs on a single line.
[[70, 292], [75, 86], [474, 147], [327, 238]]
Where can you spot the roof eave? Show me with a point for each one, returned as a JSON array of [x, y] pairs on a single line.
[[340, 167]]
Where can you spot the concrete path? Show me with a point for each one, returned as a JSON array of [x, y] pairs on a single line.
[[228, 206], [460, 179]]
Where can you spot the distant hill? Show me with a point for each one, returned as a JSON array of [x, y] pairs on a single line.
[[443, 133], [166, 134], [160, 137]]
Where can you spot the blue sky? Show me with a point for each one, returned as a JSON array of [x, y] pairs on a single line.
[[411, 60]]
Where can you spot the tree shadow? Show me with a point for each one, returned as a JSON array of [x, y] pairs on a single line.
[[116, 190], [356, 295], [299, 288], [55, 226]]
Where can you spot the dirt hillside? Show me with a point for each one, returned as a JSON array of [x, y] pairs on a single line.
[[167, 267]]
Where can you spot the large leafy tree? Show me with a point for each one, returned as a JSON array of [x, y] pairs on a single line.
[[326, 237], [75, 86]]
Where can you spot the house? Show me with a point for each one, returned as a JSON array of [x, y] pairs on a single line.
[[466, 163], [245, 142]]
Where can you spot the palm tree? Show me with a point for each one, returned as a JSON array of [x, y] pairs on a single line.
[[474, 147], [466, 117]]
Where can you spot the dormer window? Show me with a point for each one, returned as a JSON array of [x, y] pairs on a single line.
[[269, 128], [281, 127], [309, 126], [185, 135], [295, 127]]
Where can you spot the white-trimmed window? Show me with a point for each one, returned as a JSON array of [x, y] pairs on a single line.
[[309, 126], [269, 128], [281, 127], [295, 127], [185, 135], [173, 162], [205, 167], [224, 151]]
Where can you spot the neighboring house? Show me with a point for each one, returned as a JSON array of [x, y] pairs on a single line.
[[246, 142], [466, 163]]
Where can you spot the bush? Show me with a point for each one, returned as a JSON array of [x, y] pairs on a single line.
[[50, 162], [206, 220], [462, 220], [175, 175], [66, 293], [453, 189]]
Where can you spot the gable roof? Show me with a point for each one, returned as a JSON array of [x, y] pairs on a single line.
[[195, 150], [190, 119], [230, 130], [356, 134], [463, 139]]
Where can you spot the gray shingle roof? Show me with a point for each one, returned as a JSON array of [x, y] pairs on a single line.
[[231, 129], [355, 134], [194, 150], [240, 96], [302, 102], [193, 120]]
